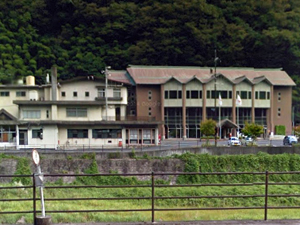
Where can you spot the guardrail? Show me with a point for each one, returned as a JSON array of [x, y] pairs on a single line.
[[153, 198]]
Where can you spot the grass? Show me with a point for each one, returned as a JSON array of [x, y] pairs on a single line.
[[181, 215]]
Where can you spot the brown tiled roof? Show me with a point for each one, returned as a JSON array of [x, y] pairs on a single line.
[[119, 76], [160, 75]]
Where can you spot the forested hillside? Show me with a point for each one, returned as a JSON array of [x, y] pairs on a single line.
[[82, 36]]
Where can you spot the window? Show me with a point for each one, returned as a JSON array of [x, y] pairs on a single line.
[[117, 93], [249, 95], [173, 94], [268, 95], [262, 95], [166, 95], [132, 112], [87, 94], [63, 94], [75, 94], [76, 112], [20, 93], [200, 94], [107, 133], [78, 133], [149, 95], [47, 113], [146, 134], [133, 134], [31, 114], [4, 93], [230, 94], [243, 94], [194, 94], [188, 93], [36, 133], [279, 111], [101, 93], [207, 94], [279, 96], [179, 94], [149, 111], [256, 95]]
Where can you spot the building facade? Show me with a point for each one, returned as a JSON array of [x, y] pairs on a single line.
[[83, 112], [140, 105], [182, 97]]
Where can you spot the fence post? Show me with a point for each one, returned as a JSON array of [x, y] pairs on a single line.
[[152, 178], [266, 194], [34, 199]]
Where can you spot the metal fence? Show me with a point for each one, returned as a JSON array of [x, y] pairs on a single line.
[[264, 177]]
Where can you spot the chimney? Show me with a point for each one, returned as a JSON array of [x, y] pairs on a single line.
[[54, 83]]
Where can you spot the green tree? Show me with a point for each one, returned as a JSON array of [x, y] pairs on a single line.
[[253, 130], [207, 127]]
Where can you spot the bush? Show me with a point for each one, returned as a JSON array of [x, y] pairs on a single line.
[[280, 129]]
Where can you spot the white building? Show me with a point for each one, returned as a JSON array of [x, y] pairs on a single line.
[[70, 114]]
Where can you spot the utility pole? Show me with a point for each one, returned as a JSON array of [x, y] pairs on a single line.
[[106, 93], [215, 76]]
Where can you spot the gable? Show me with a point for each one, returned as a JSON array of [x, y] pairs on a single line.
[[4, 115]]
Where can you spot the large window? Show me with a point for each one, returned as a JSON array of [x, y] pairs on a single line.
[[77, 133], [36, 133], [20, 93], [101, 93], [4, 93], [76, 112], [117, 93], [172, 94], [31, 114], [243, 94], [107, 133]]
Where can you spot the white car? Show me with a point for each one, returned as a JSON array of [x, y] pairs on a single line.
[[234, 141]]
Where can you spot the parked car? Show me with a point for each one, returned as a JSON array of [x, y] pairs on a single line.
[[289, 140], [247, 140], [234, 141]]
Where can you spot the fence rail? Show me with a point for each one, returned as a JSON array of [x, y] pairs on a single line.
[[264, 181]]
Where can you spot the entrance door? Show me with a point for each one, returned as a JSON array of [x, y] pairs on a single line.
[[23, 139]]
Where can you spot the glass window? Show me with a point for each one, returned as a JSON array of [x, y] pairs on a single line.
[[230, 94], [279, 96], [194, 94], [133, 134], [117, 93], [76, 112], [268, 95], [179, 94], [75, 94], [200, 94], [107, 133], [279, 111], [20, 93], [87, 94], [249, 95], [4, 93], [36, 133], [31, 114], [256, 95], [166, 94], [262, 95], [101, 93], [147, 134], [243, 94], [173, 94], [77, 133], [188, 94], [63, 94], [207, 94]]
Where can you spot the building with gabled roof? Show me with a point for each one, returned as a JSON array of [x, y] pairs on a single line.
[[182, 97]]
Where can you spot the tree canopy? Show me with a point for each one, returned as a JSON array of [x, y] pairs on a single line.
[[82, 36]]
